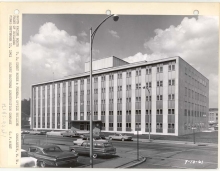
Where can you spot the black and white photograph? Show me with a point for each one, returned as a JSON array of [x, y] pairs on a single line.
[[119, 91]]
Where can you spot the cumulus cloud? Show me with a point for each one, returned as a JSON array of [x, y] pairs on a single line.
[[83, 34], [196, 41], [51, 51], [114, 33]]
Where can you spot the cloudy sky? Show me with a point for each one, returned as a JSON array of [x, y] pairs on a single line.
[[59, 44]]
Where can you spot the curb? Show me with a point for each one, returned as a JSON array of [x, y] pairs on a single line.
[[177, 142], [132, 165]]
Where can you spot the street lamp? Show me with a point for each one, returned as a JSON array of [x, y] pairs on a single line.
[[92, 36], [149, 122]]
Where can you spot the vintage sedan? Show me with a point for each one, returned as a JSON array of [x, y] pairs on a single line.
[[85, 138], [120, 136], [27, 161], [52, 156], [99, 148], [70, 133]]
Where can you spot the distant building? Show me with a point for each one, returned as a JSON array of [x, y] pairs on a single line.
[[178, 98], [213, 115], [25, 120]]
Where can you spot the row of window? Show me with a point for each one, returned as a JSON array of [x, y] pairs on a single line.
[[111, 76], [128, 87], [128, 112]]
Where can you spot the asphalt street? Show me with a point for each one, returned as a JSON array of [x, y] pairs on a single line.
[[158, 155]]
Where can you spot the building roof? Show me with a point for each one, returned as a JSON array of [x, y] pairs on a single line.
[[118, 68], [106, 70]]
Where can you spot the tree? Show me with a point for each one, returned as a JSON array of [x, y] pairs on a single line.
[[25, 106]]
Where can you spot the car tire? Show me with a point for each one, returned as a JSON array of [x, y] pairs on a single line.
[[95, 156], [122, 139], [42, 164], [110, 138], [26, 165]]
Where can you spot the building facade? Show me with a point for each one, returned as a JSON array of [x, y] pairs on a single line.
[[213, 115], [177, 100]]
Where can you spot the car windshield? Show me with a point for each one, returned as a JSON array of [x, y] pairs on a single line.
[[24, 154], [107, 144], [52, 149]]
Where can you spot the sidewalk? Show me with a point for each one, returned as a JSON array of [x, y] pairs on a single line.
[[175, 142]]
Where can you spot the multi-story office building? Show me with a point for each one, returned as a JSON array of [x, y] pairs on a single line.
[[213, 115], [177, 100]]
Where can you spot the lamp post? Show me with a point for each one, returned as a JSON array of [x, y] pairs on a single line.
[[149, 122], [92, 35]]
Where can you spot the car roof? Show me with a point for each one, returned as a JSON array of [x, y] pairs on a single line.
[[103, 142], [44, 146]]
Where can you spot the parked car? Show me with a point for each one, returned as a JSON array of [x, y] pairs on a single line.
[[24, 132], [37, 132], [87, 137], [27, 161], [120, 136], [70, 133], [51, 155], [100, 148]]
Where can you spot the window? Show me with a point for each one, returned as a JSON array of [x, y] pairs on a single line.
[[110, 125], [119, 100], [103, 78], [95, 79], [111, 89], [159, 69], [148, 84], [159, 97], [159, 111], [103, 124], [171, 111], [110, 112], [128, 99], [119, 88], [75, 82], [88, 91], [111, 77], [103, 113], [88, 80], [148, 112], [96, 91], [128, 112], [138, 99], [119, 124], [82, 82], [128, 87], [138, 72], [171, 126], [171, 97], [95, 101], [138, 86], [159, 126], [119, 75], [128, 74], [148, 71], [171, 67], [138, 112], [172, 82], [148, 125], [128, 125], [138, 125], [119, 112]]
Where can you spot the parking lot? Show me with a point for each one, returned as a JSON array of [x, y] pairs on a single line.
[[158, 155]]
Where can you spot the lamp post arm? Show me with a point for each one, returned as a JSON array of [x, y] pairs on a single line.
[[94, 32]]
